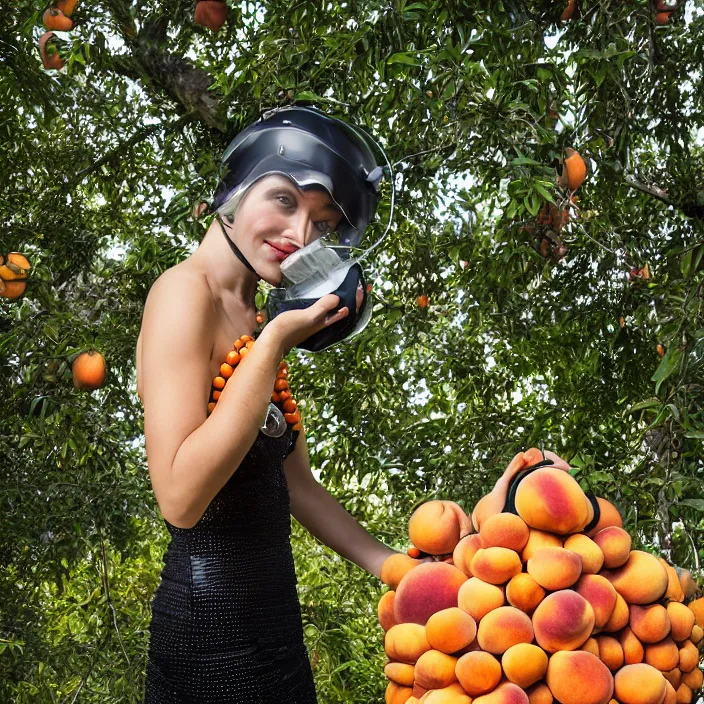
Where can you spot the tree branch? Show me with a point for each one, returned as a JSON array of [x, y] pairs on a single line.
[[139, 136], [691, 210]]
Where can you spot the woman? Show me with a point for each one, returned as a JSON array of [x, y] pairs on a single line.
[[226, 622]]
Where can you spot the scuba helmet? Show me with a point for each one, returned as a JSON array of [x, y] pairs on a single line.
[[312, 149]]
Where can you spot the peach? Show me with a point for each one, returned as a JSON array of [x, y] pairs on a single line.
[[615, 545], [689, 586], [619, 616], [502, 628], [427, 589], [478, 598], [400, 672], [674, 677], [663, 656], [588, 550], [540, 694], [524, 664], [465, 550], [609, 517], [576, 677], [633, 650], [639, 684], [450, 630], [600, 593], [524, 592], [563, 621], [505, 693], [478, 672], [610, 652], [688, 657], [552, 500], [539, 539], [674, 588], [504, 530], [650, 624], [591, 645], [396, 567], [406, 642], [454, 694], [436, 527], [697, 633], [495, 565], [418, 691], [697, 607], [642, 580], [435, 670], [681, 621], [693, 679], [396, 694], [670, 694], [683, 694], [385, 610], [555, 568]]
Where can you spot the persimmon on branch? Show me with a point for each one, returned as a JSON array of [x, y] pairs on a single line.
[[158, 70]]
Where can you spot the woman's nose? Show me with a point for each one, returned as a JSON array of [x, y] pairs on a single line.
[[300, 230]]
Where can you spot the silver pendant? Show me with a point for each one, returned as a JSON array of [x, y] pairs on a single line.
[[274, 423]]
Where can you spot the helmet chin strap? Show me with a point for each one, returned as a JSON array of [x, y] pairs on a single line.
[[236, 249]]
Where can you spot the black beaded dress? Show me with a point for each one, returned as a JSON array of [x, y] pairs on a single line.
[[226, 621]]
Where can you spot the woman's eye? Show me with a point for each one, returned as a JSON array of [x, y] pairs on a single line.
[[324, 227], [284, 200]]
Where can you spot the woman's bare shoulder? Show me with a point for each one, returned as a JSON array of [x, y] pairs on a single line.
[[168, 288]]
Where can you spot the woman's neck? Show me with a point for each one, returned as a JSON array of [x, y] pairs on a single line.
[[227, 276]]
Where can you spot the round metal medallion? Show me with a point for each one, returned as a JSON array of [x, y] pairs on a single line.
[[275, 423]]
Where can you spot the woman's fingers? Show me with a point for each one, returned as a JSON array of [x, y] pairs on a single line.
[[559, 463], [328, 302], [334, 317]]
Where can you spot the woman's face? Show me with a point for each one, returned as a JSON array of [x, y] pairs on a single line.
[[276, 218]]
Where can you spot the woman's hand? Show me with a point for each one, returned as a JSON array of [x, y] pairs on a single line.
[[294, 326], [494, 501]]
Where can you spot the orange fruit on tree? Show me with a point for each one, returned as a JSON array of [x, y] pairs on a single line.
[[12, 289], [66, 6], [422, 301], [568, 12], [574, 170], [661, 18], [55, 19], [660, 350], [49, 52], [16, 268], [88, 370], [211, 14]]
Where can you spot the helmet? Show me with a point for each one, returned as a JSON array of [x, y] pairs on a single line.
[[311, 148]]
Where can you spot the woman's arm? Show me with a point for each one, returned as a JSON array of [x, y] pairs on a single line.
[[316, 509]]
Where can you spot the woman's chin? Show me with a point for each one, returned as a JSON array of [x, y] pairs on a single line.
[[272, 274]]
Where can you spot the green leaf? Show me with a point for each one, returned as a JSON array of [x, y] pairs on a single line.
[[667, 366], [692, 503], [403, 58]]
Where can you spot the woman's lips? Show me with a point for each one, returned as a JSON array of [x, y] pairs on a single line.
[[278, 253]]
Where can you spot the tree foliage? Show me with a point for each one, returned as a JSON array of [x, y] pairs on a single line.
[[520, 344]]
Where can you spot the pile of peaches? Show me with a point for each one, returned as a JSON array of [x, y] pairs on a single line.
[[549, 603]]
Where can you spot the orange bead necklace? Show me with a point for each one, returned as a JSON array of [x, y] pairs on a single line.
[[281, 394]]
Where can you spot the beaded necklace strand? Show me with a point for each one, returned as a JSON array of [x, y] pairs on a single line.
[[280, 395]]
